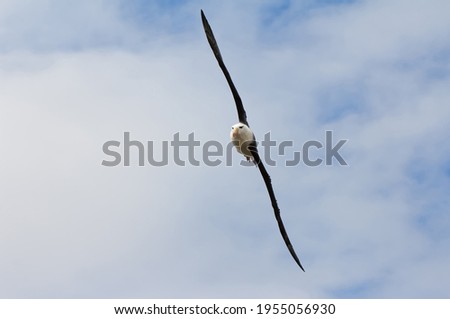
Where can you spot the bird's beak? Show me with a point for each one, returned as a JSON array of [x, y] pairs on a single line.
[[235, 133]]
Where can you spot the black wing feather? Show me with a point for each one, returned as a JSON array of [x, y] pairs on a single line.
[[276, 209], [215, 48]]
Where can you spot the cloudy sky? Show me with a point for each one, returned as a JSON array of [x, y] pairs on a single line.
[[74, 75]]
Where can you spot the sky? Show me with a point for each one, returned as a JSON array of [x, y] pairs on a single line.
[[75, 75]]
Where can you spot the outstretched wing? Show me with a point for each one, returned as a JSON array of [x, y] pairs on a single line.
[[276, 210], [215, 48]]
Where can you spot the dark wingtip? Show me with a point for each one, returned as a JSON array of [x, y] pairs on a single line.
[[298, 261], [204, 21]]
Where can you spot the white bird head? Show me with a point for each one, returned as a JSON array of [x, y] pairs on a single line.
[[241, 132]]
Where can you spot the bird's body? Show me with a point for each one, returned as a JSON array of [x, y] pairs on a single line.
[[243, 138]]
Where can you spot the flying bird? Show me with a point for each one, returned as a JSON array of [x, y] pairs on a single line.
[[243, 138]]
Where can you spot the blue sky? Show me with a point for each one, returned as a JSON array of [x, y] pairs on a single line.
[[74, 76]]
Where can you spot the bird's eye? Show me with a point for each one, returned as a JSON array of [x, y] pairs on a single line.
[[241, 126]]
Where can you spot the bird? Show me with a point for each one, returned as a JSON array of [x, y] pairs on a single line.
[[244, 140]]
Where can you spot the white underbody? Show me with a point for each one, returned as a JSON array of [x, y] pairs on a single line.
[[242, 136]]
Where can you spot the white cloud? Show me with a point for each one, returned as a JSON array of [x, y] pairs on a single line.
[[373, 72]]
